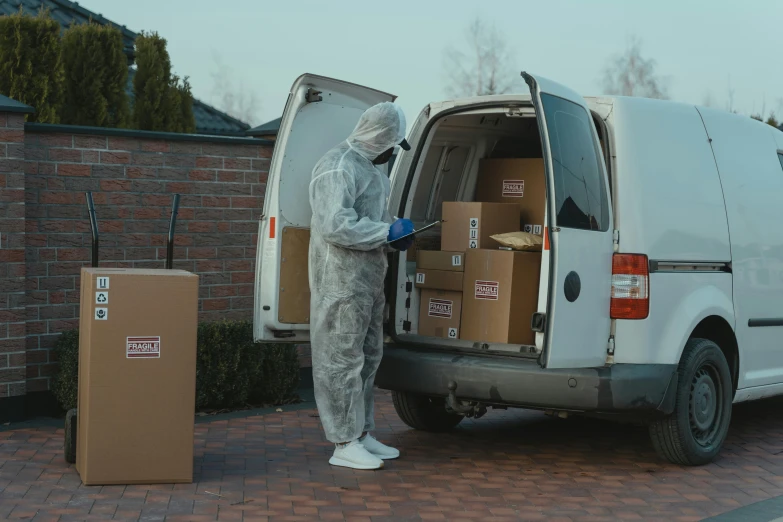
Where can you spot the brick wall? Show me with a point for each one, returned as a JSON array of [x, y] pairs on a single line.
[[133, 177], [12, 255]]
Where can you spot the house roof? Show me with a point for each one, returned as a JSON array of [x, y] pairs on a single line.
[[209, 120], [269, 128]]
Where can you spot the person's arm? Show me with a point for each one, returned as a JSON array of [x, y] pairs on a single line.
[[332, 196]]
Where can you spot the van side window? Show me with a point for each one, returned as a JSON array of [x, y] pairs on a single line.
[[780, 157], [580, 193]]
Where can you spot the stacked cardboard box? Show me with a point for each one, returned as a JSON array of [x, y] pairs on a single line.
[[519, 181], [439, 275], [500, 296], [470, 289]]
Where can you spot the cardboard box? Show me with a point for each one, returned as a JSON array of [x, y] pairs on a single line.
[[422, 243], [440, 313], [520, 181], [469, 225], [439, 280], [137, 376], [500, 296], [440, 260]]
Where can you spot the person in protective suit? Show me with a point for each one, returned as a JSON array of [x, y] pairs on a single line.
[[350, 230]]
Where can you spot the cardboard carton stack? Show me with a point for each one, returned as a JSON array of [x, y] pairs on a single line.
[[440, 274], [471, 289]]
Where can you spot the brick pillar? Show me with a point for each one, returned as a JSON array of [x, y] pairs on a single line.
[[13, 371]]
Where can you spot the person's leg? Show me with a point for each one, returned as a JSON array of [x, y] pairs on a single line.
[[337, 336], [373, 352]]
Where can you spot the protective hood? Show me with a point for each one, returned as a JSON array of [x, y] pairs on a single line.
[[380, 128]]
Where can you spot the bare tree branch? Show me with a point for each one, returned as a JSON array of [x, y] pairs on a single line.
[[730, 97], [483, 66], [231, 96], [630, 74]]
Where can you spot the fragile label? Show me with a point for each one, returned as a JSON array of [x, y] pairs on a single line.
[[143, 348], [473, 244], [101, 298], [101, 314], [103, 283], [474, 222], [513, 188], [453, 334], [487, 290], [420, 278], [440, 308], [456, 260]]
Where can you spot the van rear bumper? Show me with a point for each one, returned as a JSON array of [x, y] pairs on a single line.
[[512, 381]]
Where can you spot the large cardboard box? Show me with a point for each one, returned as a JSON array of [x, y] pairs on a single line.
[[137, 376], [440, 260], [500, 296], [469, 225], [439, 279], [520, 181], [420, 244], [439, 315]]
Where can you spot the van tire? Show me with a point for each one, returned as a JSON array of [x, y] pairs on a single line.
[[424, 413], [693, 436]]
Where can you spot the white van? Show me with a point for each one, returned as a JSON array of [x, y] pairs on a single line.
[[663, 302]]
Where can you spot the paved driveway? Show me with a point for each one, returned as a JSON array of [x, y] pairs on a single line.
[[510, 465]]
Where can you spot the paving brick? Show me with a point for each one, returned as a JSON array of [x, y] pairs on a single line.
[[510, 465]]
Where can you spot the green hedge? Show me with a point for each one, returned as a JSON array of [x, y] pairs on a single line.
[[231, 370], [30, 66], [96, 76], [161, 102]]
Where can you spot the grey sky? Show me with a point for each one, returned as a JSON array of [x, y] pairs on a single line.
[[701, 45]]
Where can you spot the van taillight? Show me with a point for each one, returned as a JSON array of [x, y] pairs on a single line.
[[630, 286]]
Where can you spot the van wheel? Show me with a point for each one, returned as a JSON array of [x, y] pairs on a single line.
[[70, 436], [694, 433], [424, 413]]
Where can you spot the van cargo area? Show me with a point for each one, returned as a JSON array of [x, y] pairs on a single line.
[[482, 172]]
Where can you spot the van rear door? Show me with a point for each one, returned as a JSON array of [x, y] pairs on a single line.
[[320, 113], [578, 253]]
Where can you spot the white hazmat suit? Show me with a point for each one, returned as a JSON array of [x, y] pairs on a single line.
[[347, 264]]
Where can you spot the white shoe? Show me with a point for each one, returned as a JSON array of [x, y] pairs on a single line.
[[354, 455], [379, 449]]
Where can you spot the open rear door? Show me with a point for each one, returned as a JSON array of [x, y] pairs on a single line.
[[320, 113], [578, 255]]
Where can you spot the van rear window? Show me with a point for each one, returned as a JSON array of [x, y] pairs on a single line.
[[780, 157], [580, 190]]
